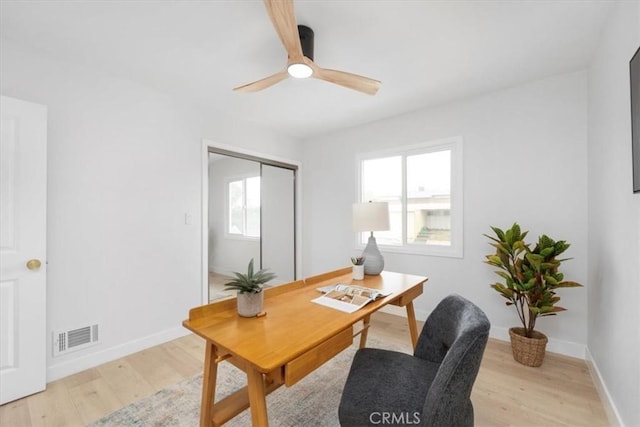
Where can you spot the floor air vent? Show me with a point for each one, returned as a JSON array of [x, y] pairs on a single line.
[[75, 339]]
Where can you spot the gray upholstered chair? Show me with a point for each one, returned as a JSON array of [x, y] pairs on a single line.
[[430, 388]]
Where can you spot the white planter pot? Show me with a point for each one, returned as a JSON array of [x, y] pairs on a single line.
[[250, 304], [358, 272]]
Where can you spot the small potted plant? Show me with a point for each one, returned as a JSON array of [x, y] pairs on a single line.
[[249, 287], [531, 277]]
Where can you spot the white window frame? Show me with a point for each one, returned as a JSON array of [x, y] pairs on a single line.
[[455, 250], [227, 181]]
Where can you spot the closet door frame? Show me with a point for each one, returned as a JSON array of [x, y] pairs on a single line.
[[209, 146]]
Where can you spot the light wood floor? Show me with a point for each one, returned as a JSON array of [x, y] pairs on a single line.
[[216, 286], [559, 393]]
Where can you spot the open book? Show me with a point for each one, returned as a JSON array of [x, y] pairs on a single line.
[[348, 298]]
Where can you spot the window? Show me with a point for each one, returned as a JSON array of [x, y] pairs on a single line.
[[243, 201], [423, 186]]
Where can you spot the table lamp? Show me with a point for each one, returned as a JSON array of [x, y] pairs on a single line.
[[371, 216]]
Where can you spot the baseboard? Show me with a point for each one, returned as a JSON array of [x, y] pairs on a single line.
[[567, 348], [221, 270], [609, 407], [87, 361]]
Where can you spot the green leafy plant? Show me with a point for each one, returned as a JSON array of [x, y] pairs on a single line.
[[250, 282], [531, 276]]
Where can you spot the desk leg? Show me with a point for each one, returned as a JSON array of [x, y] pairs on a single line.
[[365, 331], [413, 326], [257, 398], [208, 385]]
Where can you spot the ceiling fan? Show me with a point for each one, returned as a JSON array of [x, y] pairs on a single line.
[[298, 42]]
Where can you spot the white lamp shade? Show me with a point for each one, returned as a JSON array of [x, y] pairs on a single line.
[[371, 216]]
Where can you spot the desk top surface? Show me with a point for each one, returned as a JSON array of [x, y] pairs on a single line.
[[293, 324]]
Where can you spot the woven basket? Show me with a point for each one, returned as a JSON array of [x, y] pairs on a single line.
[[528, 351]]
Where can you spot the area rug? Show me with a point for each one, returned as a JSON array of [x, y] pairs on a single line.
[[311, 402]]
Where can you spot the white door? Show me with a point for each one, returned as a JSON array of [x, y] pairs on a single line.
[[23, 192]]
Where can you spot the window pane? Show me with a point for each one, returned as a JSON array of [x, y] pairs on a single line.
[[429, 198], [236, 208], [253, 206], [382, 182]]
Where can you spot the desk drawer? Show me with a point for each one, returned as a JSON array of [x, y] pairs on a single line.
[[408, 296], [303, 365]]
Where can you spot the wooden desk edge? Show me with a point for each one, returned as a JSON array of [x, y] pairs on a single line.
[[230, 303], [404, 299], [313, 280]]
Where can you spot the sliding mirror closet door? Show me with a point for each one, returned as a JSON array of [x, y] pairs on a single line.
[[251, 214], [277, 219], [234, 219]]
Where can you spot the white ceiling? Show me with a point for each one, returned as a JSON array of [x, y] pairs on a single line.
[[424, 52]]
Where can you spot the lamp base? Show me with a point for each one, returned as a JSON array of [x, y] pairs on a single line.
[[373, 260]]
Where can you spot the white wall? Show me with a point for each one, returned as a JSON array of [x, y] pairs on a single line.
[[124, 167], [524, 160], [614, 217]]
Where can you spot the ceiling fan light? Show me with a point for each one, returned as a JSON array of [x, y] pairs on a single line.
[[299, 71]]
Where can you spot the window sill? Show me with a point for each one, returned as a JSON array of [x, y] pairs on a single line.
[[437, 251]]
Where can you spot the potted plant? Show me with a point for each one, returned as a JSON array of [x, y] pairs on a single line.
[[531, 277], [249, 287]]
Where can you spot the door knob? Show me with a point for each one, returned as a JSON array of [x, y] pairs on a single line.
[[33, 264]]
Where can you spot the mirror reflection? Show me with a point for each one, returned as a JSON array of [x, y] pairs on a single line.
[[251, 215]]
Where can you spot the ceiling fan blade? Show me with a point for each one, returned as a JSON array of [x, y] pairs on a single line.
[[262, 84], [284, 21], [342, 78]]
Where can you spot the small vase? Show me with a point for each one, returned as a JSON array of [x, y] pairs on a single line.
[[358, 272], [250, 304]]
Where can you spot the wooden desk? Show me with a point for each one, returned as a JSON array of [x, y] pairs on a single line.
[[292, 340]]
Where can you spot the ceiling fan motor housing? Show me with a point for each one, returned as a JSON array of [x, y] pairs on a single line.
[[300, 55], [306, 40]]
